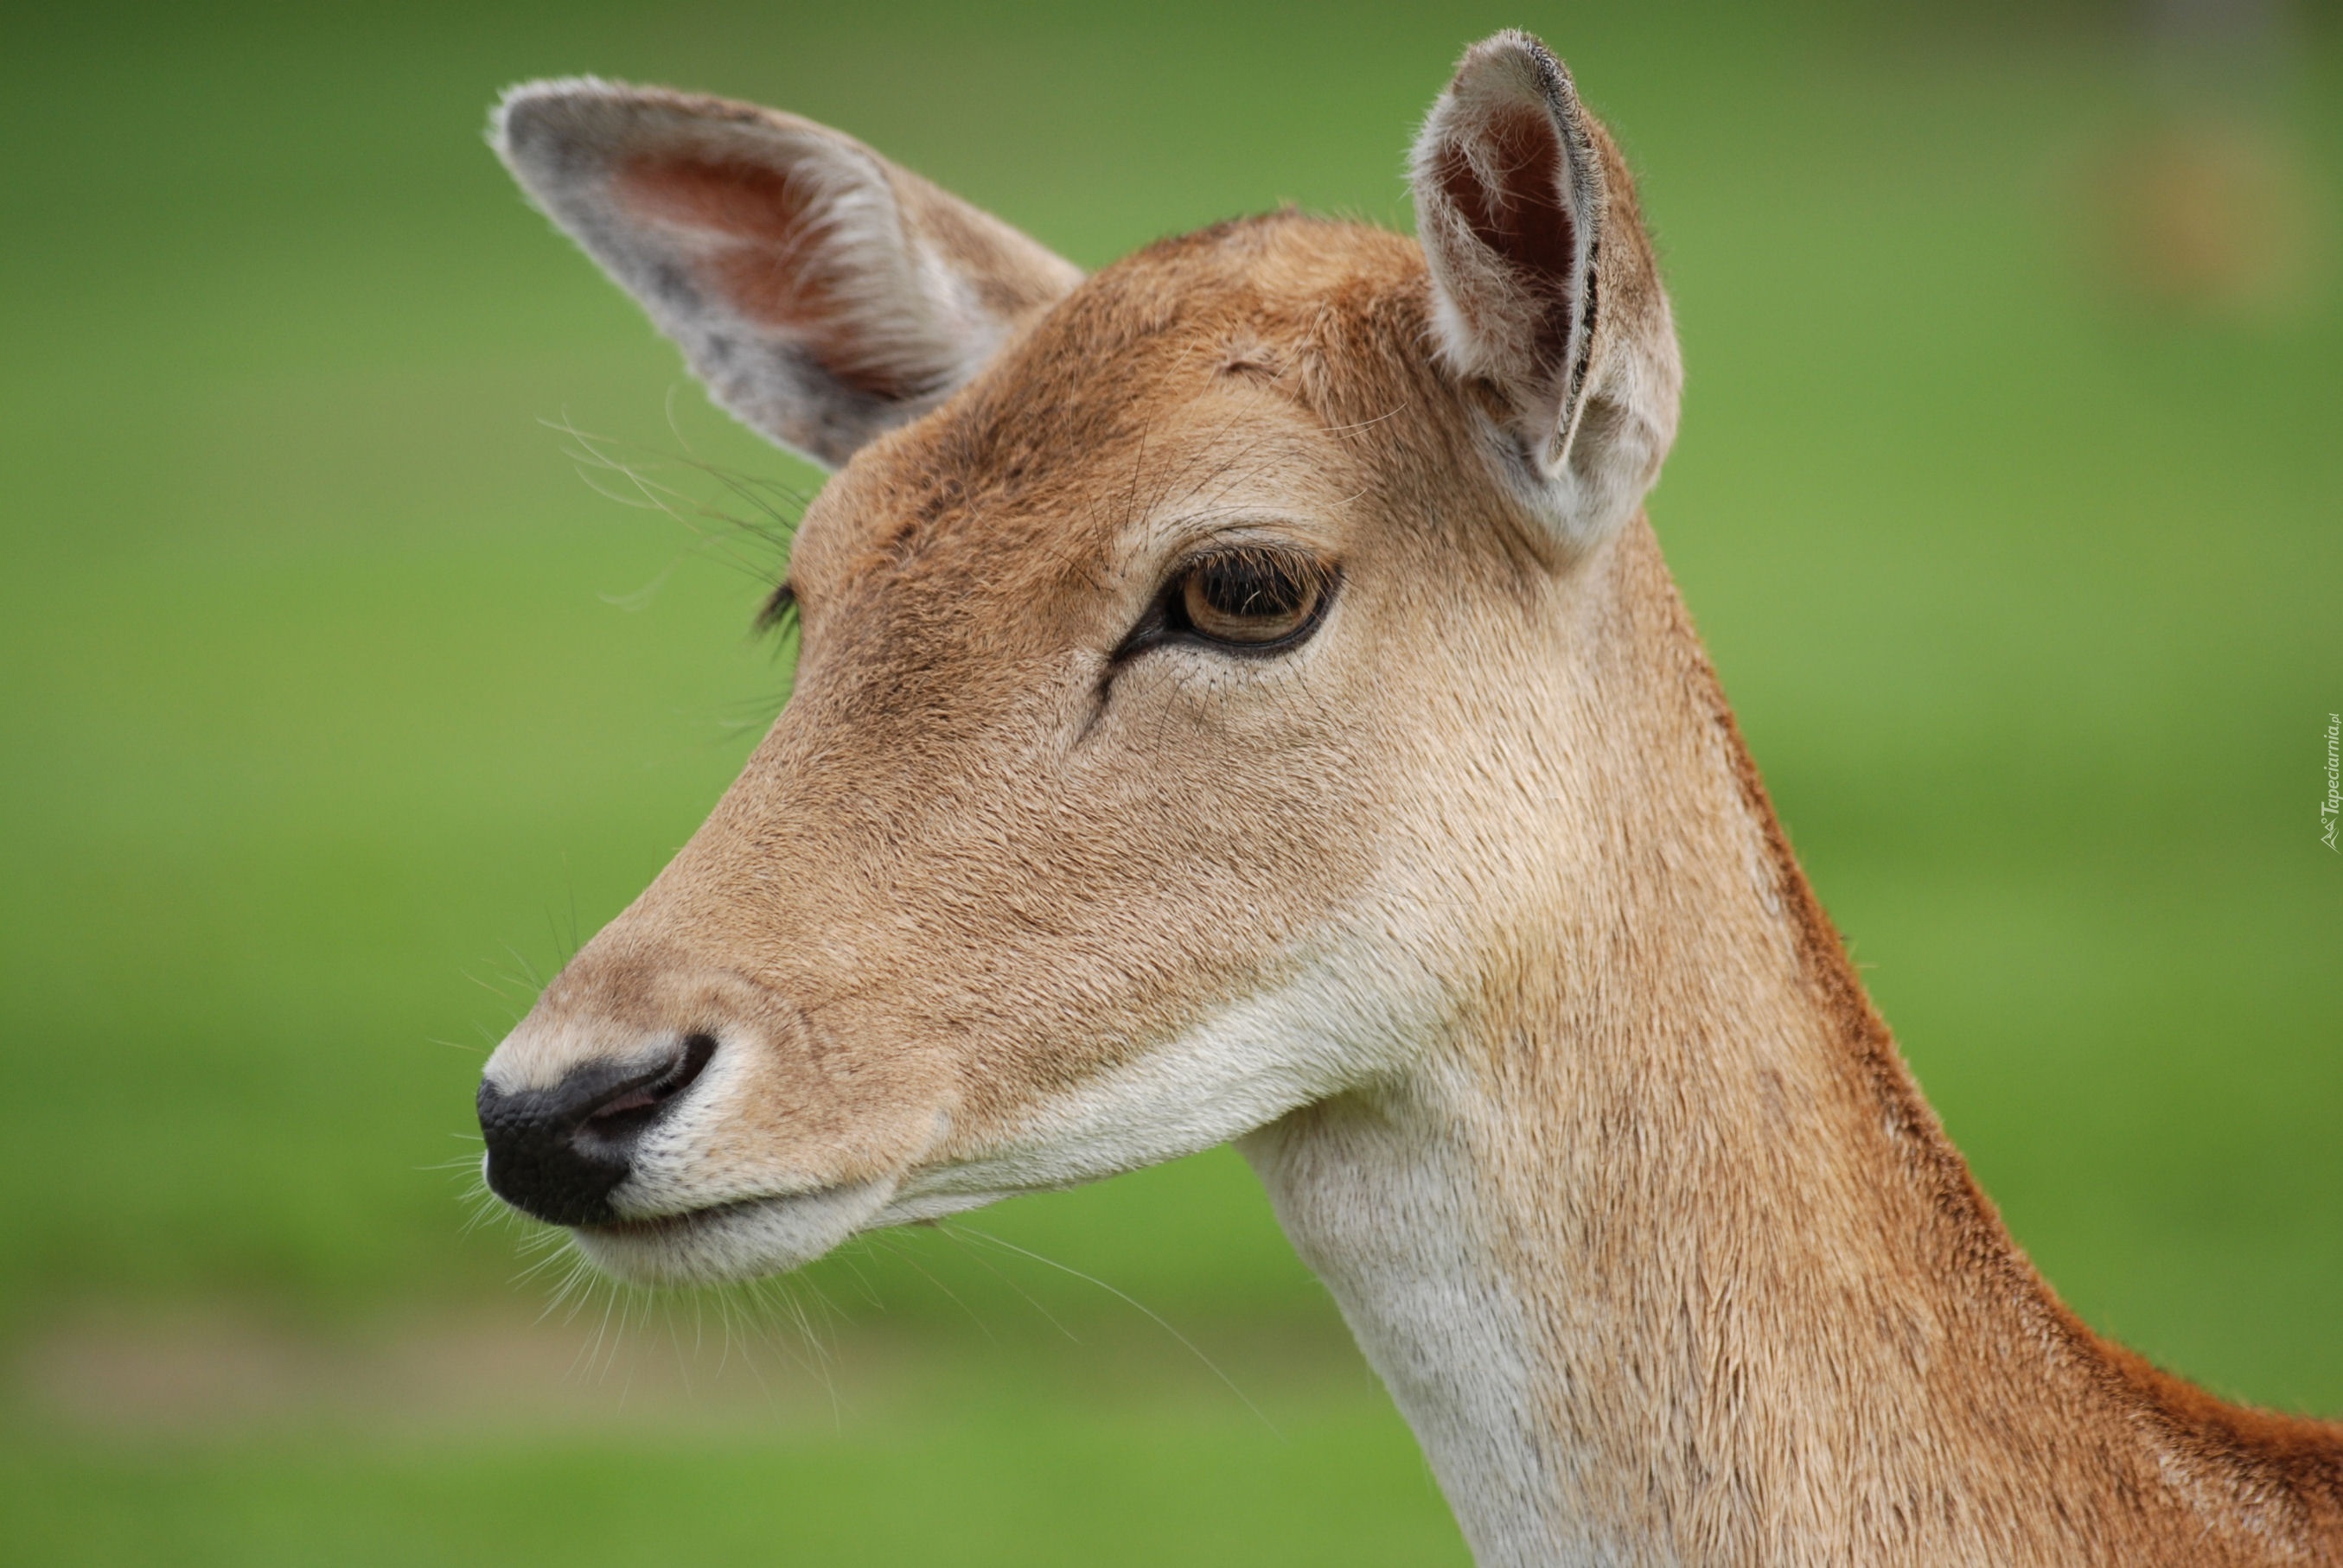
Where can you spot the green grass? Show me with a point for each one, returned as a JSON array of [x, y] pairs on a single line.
[[997, 1457], [319, 710], [1019, 1490]]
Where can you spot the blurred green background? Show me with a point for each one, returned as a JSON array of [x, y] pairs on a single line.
[[336, 707]]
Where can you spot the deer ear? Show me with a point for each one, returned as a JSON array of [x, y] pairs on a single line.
[[823, 294], [1545, 289]]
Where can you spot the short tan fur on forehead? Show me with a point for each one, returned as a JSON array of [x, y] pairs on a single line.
[[1156, 384]]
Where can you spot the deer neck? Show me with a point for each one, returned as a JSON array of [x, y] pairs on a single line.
[[1659, 1249]]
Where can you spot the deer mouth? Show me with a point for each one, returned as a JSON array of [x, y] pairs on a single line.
[[659, 1226], [739, 1239]]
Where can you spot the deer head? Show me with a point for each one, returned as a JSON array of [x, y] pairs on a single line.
[[1188, 664]]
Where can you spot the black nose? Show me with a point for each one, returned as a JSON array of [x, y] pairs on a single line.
[[558, 1152]]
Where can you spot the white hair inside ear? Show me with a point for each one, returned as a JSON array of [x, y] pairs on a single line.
[[1543, 287], [823, 294]]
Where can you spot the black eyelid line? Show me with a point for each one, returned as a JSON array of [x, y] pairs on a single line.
[[1157, 626]]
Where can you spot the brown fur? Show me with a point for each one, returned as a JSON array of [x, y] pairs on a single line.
[[983, 867]]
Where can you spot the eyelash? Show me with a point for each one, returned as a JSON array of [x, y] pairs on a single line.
[[779, 616], [1167, 617], [1253, 574]]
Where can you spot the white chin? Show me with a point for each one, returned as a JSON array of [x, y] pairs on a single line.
[[742, 1241]]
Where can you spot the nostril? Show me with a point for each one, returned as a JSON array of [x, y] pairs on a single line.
[[636, 1106], [559, 1152]]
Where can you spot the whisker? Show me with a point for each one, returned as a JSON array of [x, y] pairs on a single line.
[[982, 1261], [1125, 1297], [949, 1294]]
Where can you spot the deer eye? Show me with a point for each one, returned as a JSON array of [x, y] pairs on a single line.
[[1252, 598]]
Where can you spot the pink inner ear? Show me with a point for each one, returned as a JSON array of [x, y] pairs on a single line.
[[775, 262], [1525, 218]]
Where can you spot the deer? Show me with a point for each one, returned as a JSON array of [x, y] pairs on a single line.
[[1240, 697]]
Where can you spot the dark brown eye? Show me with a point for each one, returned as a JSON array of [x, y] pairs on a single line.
[[1250, 597]]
